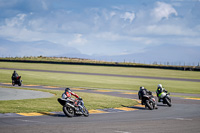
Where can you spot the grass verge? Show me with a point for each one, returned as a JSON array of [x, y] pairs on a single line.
[[92, 81], [106, 70], [91, 100]]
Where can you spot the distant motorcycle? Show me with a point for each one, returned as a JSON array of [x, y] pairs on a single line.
[[165, 98], [70, 110], [17, 81], [149, 101]]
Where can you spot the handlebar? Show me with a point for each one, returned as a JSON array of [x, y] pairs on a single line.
[[80, 98]]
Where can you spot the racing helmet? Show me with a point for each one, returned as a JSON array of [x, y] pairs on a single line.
[[159, 85], [141, 88], [67, 89]]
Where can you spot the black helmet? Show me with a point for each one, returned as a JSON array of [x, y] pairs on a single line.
[[67, 89]]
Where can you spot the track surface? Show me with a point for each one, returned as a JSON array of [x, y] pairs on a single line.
[[183, 116], [100, 74]]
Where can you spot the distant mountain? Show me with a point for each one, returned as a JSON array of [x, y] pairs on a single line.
[[177, 55], [37, 48], [74, 55]]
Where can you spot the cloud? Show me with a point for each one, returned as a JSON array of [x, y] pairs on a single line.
[[109, 36], [31, 27], [112, 13], [77, 40], [128, 16], [7, 3], [100, 28], [15, 21], [163, 10], [170, 30], [44, 5]]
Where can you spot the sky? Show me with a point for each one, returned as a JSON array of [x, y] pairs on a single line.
[[144, 31]]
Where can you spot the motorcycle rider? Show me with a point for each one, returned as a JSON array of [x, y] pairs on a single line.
[[159, 90], [67, 95], [14, 75], [143, 91]]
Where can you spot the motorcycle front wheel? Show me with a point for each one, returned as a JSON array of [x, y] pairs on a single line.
[[149, 104], [13, 83], [19, 84], [85, 112], [168, 102], [68, 111]]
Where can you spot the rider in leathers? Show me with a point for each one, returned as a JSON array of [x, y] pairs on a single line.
[[159, 90], [143, 91], [14, 75], [67, 95]]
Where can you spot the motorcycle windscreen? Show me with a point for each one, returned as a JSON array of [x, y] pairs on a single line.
[[62, 102]]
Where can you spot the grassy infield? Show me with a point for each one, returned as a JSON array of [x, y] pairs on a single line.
[[92, 101]]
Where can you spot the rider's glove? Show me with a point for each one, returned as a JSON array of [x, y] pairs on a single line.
[[80, 98]]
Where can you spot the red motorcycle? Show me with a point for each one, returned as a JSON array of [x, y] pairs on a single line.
[[17, 81], [70, 110]]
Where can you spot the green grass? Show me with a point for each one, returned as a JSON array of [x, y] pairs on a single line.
[[91, 100], [92, 81], [106, 70], [76, 80]]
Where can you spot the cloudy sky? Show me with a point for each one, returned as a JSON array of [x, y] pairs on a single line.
[[139, 30]]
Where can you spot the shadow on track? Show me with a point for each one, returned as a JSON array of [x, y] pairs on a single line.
[[58, 114], [162, 105]]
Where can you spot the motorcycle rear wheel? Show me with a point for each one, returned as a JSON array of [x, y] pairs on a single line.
[[149, 104], [68, 111]]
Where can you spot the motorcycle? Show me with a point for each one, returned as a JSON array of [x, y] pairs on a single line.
[[149, 101], [71, 110], [165, 98], [17, 81]]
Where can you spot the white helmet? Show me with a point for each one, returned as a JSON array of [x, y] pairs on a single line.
[[141, 88], [159, 85]]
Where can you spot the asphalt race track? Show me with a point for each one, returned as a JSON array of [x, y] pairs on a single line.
[[164, 120], [183, 116]]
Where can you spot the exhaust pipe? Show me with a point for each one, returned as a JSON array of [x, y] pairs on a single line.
[[70, 105]]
